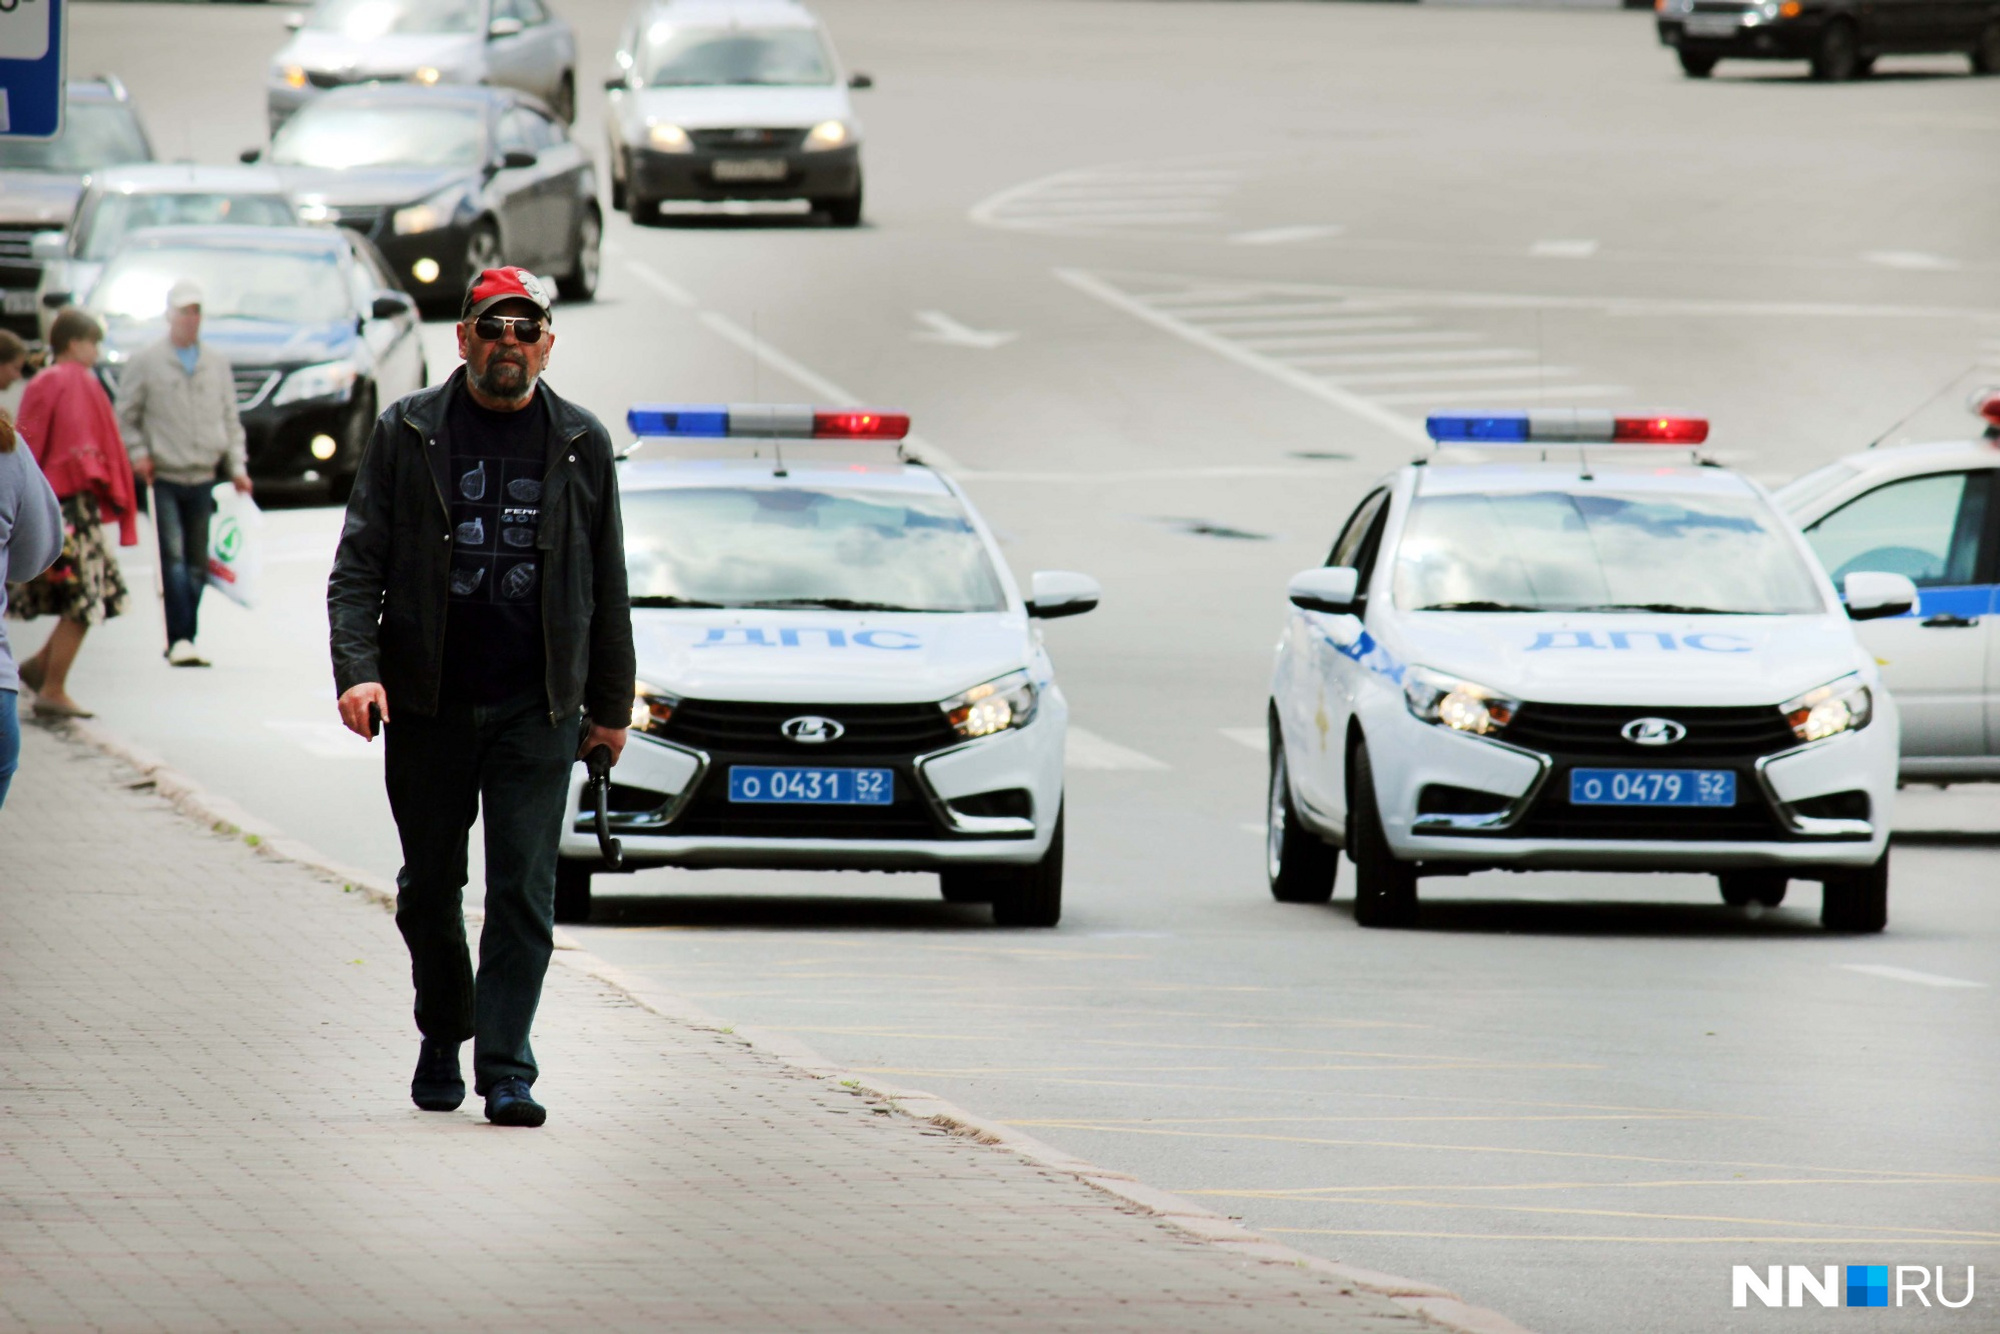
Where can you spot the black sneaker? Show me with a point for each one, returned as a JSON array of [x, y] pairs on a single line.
[[437, 1086], [509, 1104]]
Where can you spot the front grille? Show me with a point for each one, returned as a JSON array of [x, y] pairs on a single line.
[[870, 729], [17, 243], [1592, 731], [252, 384], [1750, 820], [20, 275], [711, 814], [747, 139]]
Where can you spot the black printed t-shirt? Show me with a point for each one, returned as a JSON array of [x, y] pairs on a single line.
[[493, 622]]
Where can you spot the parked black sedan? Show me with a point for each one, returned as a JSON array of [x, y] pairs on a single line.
[[1841, 38], [313, 323], [446, 181]]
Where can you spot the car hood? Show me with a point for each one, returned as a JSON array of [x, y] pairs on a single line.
[[808, 657], [396, 53], [248, 342], [770, 108], [39, 196], [1609, 658], [362, 186]]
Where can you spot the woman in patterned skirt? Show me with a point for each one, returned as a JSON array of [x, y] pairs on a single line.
[[67, 420]]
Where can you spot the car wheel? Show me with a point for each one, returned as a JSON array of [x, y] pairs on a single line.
[[564, 102], [586, 260], [572, 890], [617, 181], [968, 884], [1837, 58], [482, 250], [1856, 900], [1385, 889], [1697, 67], [844, 211], [641, 209], [1986, 52], [1300, 865], [1032, 895], [1740, 889]]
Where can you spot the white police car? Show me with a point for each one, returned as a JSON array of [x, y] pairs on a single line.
[[1567, 658], [836, 670]]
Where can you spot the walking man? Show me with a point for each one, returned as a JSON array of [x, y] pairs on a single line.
[[479, 593], [177, 412]]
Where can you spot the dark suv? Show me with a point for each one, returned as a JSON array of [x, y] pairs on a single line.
[[1841, 38]]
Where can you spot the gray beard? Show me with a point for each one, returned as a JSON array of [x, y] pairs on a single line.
[[507, 381]]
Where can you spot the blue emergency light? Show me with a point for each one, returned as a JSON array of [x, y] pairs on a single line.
[[1558, 426], [763, 421]]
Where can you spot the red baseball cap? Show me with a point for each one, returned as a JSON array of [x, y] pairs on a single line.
[[493, 286]]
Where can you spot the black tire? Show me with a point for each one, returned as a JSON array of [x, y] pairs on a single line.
[[642, 210], [1697, 67], [1856, 901], [564, 102], [1032, 895], [1837, 57], [844, 211], [969, 884], [572, 890], [586, 258], [1740, 889], [1301, 866], [1986, 51], [1385, 890], [482, 250], [617, 181]]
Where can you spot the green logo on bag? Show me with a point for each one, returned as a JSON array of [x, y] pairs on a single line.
[[228, 539]]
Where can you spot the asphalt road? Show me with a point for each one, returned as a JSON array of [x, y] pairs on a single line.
[[1577, 1099]]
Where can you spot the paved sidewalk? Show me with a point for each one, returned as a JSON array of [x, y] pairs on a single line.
[[205, 1125]]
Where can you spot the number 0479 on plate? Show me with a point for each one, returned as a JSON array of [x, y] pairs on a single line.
[[1652, 787]]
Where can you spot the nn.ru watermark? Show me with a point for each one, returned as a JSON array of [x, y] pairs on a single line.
[[1845, 1285]]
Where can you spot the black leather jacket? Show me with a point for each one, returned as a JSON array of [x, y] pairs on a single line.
[[386, 597]]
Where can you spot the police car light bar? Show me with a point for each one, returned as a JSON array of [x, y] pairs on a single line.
[[1564, 426], [763, 421]]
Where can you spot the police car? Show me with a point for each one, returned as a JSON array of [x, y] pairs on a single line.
[[1543, 656], [836, 669], [1929, 512]]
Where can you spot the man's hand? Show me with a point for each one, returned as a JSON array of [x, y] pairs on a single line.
[[613, 737], [242, 484], [354, 708], [144, 467]]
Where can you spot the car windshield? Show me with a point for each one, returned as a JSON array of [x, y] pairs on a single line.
[[705, 57], [117, 215], [339, 137], [300, 287], [95, 134], [805, 547], [1600, 550], [364, 19]]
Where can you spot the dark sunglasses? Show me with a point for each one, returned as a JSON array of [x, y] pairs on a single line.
[[492, 328]]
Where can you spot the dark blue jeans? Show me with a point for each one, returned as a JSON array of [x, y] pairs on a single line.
[[184, 512], [509, 762], [10, 739]]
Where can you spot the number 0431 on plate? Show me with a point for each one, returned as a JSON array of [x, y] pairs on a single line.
[[812, 787], [1652, 787]]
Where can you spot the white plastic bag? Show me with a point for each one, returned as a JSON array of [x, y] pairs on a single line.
[[236, 546]]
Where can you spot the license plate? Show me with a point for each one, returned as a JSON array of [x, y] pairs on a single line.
[[1711, 25], [1652, 787], [750, 169], [811, 787], [20, 303]]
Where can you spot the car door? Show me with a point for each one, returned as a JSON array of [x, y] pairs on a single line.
[[1322, 695], [510, 48], [546, 54], [397, 346], [1938, 661], [567, 179], [519, 193]]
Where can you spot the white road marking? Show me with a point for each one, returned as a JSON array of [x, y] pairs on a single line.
[[1253, 737], [1914, 260], [1896, 974], [1461, 373], [1563, 249], [1116, 195], [1457, 356], [329, 741], [1287, 235], [1561, 393], [654, 279], [1087, 750], [942, 328]]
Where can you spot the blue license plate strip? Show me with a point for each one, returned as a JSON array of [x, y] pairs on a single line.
[[1652, 787], [798, 785]]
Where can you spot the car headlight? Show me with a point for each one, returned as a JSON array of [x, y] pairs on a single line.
[[433, 213], [668, 138], [1839, 706], [292, 76], [426, 74], [652, 708], [828, 134], [313, 209], [329, 379], [1463, 706], [1007, 701]]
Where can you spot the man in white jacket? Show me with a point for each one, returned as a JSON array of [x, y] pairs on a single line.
[[177, 409]]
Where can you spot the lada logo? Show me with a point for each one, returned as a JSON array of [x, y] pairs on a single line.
[[812, 730], [1652, 731]]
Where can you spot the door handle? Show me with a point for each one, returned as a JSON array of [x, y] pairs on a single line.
[[1944, 620]]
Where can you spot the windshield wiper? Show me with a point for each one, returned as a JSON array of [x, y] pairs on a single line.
[[1674, 608], [668, 600], [1478, 604], [830, 604]]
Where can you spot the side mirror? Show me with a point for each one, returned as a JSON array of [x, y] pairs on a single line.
[[1872, 595], [499, 28], [617, 83], [516, 158], [250, 155], [388, 305], [47, 247], [294, 21], [860, 81], [1054, 593], [1328, 588], [57, 300]]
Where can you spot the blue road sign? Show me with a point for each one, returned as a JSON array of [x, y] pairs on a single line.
[[31, 68]]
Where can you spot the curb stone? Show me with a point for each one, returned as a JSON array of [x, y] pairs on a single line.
[[224, 816]]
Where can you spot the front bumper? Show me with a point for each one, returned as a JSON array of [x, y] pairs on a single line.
[[443, 246], [278, 440], [671, 808], [833, 173], [1749, 37]]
